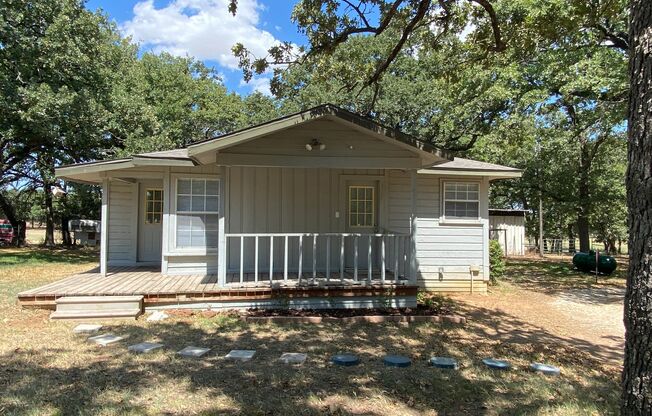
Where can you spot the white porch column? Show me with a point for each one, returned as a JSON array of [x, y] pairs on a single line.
[[165, 222], [221, 237], [104, 228], [413, 227]]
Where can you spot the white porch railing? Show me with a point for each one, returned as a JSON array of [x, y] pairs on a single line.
[[299, 257]]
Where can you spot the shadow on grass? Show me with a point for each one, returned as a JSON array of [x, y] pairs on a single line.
[[32, 256], [111, 380]]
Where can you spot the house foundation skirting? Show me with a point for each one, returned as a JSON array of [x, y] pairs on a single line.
[[337, 302]]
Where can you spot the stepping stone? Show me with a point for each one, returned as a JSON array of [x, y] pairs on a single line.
[[144, 347], [86, 329], [549, 370], [194, 352], [157, 316], [397, 361], [240, 355], [346, 360], [293, 358], [497, 364], [444, 362], [105, 339]]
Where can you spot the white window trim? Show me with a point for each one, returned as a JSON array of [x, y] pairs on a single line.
[[190, 251], [470, 220]]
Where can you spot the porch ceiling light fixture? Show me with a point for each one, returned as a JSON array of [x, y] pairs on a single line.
[[315, 143]]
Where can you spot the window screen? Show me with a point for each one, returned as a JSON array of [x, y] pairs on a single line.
[[197, 213], [461, 200]]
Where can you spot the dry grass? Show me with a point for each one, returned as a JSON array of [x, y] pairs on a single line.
[[44, 369]]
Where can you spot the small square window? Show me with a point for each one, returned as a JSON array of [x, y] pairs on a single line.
[[461, 200]]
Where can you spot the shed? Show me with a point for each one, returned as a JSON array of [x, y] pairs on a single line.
[[508, 227], [85, 232]]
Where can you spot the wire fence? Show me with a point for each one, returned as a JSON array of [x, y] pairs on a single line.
[[561, 246]]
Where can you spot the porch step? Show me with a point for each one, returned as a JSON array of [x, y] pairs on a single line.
[[98, 307]]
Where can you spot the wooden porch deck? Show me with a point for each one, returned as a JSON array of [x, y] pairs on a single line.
[[158, 289]]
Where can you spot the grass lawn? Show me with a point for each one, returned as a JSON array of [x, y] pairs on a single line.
[[45, 369]]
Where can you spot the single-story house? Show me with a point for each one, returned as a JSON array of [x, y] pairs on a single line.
[[507, 226], [320, 197]]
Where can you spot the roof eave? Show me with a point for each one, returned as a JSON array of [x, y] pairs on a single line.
[[73, 172], [493, 174]]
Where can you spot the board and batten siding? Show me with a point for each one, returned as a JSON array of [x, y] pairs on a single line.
[[287, 200], [445, 251], [305, 200]]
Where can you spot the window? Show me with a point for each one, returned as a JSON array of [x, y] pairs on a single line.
[[197, 211], [153, 206], [461, 200], [361, 206]]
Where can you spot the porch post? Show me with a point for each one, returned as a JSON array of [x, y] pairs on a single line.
[[221, 237], [104, 228], [413, 227]]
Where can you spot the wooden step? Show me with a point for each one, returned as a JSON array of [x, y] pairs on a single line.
[[98, 303], [101, 315], [98, 307]]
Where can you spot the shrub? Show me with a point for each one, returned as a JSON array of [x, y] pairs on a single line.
[[496, 261]]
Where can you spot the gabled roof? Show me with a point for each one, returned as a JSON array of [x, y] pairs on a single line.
[[330, 111], [438, 160]]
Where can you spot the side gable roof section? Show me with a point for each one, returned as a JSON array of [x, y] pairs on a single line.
[[384, 133], [176, 157], [468, 167]]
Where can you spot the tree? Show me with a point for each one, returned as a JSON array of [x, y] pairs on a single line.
[[57, 63], [169, 102], [456, 95], [637, 368]]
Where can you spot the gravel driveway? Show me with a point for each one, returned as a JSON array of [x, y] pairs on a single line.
[[590, 318]]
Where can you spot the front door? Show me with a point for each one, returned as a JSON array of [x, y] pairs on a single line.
[[150, 218], [361, 218]]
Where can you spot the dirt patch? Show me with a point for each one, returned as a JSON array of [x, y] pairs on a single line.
[[546, 301]]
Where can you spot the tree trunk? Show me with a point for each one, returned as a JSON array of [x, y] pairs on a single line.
[[65, 232], [571, 239], [637, 367], [18, 225], [583, 194], [49, 215]]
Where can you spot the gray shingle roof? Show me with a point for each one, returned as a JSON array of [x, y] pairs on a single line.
[[459, 163]]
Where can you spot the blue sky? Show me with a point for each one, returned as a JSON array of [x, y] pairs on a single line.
[[206, 30]]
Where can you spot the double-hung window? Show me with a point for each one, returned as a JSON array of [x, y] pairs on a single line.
[[461, 200], [197, 209]]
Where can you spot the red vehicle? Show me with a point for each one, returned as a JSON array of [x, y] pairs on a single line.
[[6, 232]]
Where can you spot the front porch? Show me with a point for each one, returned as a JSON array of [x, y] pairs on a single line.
[[203, 290]]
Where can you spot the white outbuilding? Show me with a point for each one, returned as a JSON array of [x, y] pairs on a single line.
[[508, 227]]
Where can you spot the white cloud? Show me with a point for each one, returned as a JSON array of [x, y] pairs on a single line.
[[259, 84], [200, 28]]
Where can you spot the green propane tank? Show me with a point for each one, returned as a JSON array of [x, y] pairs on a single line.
[[586, 262]]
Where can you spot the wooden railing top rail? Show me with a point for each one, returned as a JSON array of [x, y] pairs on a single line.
[[317, 234]]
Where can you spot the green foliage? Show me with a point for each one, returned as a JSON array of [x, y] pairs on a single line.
[[496, 261], [435, 302], [552, 103], [74, 91]]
